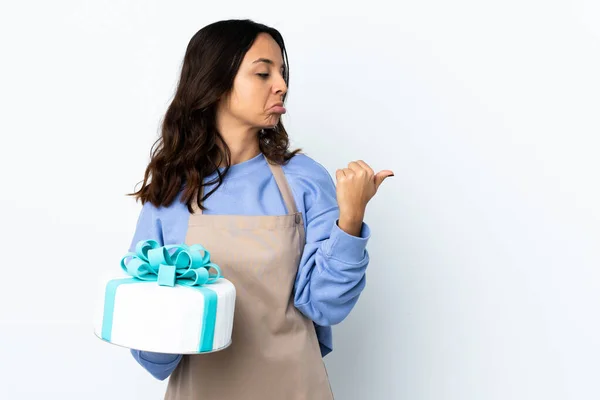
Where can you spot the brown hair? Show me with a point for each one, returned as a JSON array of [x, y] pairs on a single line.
[[187, 150]]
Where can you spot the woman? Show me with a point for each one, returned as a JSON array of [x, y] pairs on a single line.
[[292, 243]]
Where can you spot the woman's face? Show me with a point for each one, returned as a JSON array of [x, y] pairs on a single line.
[[258, 86]]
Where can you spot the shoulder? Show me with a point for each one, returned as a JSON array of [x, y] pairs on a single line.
[[166, 224], [310, 182], [176, 210], [304, 168]]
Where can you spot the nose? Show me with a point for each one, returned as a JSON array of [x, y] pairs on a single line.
[[280, 87]]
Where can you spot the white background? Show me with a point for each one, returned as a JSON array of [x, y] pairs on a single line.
[[484, 279]]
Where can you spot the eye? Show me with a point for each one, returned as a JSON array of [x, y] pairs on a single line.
[[263, 76]]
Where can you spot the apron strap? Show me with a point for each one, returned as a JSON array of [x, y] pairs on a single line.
[[284, 187], [195, 208]]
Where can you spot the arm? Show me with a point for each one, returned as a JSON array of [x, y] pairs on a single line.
[[332, 270], [158, 365]]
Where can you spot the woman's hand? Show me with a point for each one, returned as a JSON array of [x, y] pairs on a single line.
[[356, 185]]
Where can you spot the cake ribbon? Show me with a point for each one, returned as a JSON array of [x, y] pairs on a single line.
[[186, 266]]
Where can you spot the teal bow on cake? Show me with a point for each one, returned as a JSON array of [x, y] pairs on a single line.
[[186, 266]]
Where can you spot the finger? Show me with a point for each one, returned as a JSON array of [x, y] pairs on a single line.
[[366, 167], [379, 178], [339, 174], [356, 167], [349, 172]]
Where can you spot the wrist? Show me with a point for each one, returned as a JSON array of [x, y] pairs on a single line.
[[350, 224], [352, 217]]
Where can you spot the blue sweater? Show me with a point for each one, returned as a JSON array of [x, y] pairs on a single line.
[[331, 274]]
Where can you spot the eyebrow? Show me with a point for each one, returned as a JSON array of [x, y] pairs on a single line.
[[266, 61]]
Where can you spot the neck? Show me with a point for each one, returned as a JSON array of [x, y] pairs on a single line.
[[241, 140]]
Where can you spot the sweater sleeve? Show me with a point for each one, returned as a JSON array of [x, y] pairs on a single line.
[[159, 365], [332, 270]]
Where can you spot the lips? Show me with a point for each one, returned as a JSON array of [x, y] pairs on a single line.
[[278, 108]]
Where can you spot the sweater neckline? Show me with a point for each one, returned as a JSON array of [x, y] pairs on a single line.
[[243, 168]]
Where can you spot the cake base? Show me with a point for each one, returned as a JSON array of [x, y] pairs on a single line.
[[204, 352], [178, 319]]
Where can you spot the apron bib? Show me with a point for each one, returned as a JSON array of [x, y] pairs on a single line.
[[275, 351]]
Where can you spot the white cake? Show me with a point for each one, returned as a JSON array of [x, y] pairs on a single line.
[[168, 302], [164, 319]]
